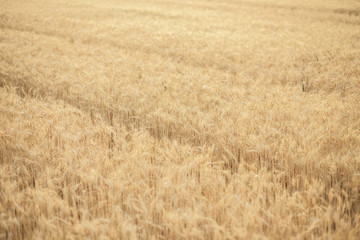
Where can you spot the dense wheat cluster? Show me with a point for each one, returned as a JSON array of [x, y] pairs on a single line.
[[192, 119]]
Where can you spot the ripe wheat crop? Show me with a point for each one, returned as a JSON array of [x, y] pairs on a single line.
[[194, 119]]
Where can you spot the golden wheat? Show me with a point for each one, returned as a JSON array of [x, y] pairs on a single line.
[[179, 119]]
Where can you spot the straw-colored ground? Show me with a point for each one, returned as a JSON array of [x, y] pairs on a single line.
[[164, 119]]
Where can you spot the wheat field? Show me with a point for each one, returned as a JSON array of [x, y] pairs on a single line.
[[192, 119]]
